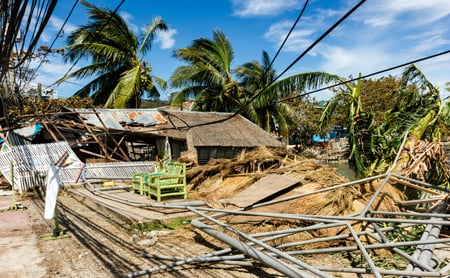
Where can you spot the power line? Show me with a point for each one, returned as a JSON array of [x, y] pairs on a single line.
[[79, 58], [315, 91], [289, 33], [321, 38], [292, 64], [367, 75], [336, 24], [61, 30], [14, 15]]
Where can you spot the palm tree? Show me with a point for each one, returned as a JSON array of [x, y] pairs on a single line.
[[121, 77], [208, 75], [208, 78], [260, 83], [264, 111]]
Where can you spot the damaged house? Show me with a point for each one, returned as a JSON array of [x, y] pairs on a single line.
[[147, 134]]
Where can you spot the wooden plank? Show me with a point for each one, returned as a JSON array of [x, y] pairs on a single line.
[[266, 187]]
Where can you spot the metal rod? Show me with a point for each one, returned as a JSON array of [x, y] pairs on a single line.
[[109, 188], [425, 251], [318, 191], [382, 271], [96, 178], [385, 180], [371, 246], [375, 195], [411, 214], [255, 241], [250, 251], [342, 236], [363, 250], [200, 259], [328, 218]]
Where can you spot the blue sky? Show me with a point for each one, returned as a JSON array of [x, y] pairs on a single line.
[[379, 35]]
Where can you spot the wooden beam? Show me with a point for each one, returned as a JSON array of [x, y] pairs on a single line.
[[125, 155], [102, 147], [414, 186], [96, 154]]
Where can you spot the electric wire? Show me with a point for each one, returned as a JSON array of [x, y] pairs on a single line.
[[336, 24], [366, 76], [288, 35], [57, 35], [291, 65], [12, 15], [79, 58], [37, 31], [315, 91], [243, 106]]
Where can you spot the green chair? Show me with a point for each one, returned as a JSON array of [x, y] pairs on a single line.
[[137, 182], [172, 182]]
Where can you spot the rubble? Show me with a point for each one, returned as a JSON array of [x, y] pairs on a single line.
[[269, 206]]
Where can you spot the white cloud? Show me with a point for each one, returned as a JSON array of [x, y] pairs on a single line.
[[128, 18], [252, 8], [298, 39], [419, 12], [50, 72], [166, 38], [352, 61], [55, 23], [52, 30], [430, 43]]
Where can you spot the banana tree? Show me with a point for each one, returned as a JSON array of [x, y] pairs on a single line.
[[418, 114]]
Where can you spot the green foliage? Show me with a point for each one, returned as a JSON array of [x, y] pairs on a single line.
[[159, 225], [379, 95], [376, 134], [404, 235], [305, 120], [120, 77], [394, 262], [207, 77]]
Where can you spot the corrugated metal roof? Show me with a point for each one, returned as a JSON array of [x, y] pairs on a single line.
[[115, 118]]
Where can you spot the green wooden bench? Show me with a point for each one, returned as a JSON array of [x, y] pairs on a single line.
[[137, 180], [171, 181]]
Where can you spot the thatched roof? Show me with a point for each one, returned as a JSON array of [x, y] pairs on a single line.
[[213, 129], [206, 128]]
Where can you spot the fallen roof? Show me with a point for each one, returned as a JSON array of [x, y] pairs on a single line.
[[207, 128], [116, 118], [214, 129]]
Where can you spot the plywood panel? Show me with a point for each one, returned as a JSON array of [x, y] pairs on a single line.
[[262, 189]]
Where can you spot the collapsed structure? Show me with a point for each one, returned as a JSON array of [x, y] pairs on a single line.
[[301, 214], [125, 135]]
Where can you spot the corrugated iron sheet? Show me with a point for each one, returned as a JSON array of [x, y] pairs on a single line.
[[117, 170], [31, 163], [115, 118], [14, 139]]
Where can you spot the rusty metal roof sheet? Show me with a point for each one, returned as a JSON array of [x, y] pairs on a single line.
[[116, 118]]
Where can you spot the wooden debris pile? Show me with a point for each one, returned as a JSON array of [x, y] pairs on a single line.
[[223, 179]]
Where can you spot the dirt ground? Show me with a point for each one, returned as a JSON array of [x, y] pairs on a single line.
[[99, 246]]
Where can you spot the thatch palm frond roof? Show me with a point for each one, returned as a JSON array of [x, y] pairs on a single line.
[[216, 129], [204, 128]]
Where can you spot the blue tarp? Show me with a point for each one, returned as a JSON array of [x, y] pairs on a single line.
[[317, 139], [29, 131]]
